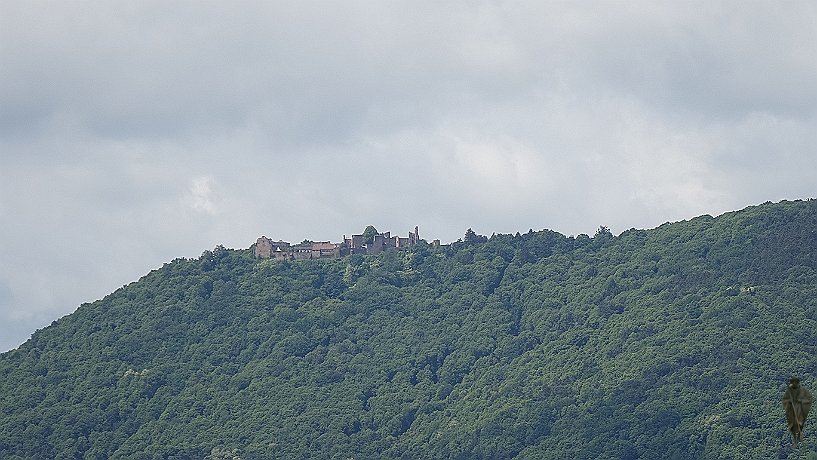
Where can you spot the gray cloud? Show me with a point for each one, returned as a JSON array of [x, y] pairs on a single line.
[[134, 134]]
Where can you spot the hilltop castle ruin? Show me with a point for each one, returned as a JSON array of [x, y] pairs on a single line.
[[266, 248]]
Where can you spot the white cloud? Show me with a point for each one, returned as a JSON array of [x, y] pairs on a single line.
[[200, 195]]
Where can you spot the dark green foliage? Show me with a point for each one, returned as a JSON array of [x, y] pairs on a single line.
[[471, 237], [669, 343], [368, 234]]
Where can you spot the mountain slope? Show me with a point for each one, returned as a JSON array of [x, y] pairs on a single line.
[[673, 342]]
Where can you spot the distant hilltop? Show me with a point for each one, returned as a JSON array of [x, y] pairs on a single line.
[[369, 242]]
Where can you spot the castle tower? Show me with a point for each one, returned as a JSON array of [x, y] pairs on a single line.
[[263, 248]]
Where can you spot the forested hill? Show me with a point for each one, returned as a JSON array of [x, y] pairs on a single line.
[[669, 343]]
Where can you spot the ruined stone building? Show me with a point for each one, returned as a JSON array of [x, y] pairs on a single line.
[[265, 248], [380, 242]]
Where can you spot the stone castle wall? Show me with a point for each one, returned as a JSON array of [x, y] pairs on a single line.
[[265, 248]]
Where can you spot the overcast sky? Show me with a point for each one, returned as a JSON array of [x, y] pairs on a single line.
[[133, 133]]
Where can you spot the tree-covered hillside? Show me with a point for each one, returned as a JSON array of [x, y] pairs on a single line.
[[670, 343]]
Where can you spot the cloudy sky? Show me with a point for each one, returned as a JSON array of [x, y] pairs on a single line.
[[133, 133]]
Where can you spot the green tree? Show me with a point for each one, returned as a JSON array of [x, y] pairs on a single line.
[[471, 237], [369, 234]]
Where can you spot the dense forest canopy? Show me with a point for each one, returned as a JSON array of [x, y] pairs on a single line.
[[674, 342]]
